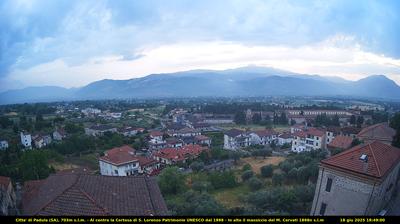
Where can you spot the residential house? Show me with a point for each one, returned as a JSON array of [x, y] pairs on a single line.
[[220, 166], [186, 132], [148, 166], [202, 140], [157, 140], [99, 130], [38, 141], [360, 181], [350, 131], [379, 132], [3, 144], [340, 142], [59, 134], [93, 195], [235, 139], [8, 205], [128, 131], [263, 137], [91, 112], [173, 143], [285, 138], [47, 139], [171, 156], [119, 161], [26, 140], [308, 139]]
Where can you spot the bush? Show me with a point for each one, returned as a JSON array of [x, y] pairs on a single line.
[[267, 171], [246, 167], [277, 179], [197, 166], [255, 183], [247, 175], [201, 186], [171, 181], [222, 179]]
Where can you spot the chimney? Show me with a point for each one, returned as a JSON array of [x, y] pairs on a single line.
[[364, 159]]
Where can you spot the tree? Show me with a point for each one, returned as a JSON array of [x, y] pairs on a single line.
[[286, 166], [304, 194], [255, 183], [256, 118], [240, 118], [201, 186], [247, 175], [277, 179], [220, 180], [171, 181], [267, 171], [360, 121], [33, 165], [197, 166], [352, 120], [246, 167], [355, 142]]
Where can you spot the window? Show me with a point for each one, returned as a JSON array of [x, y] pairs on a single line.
[[317, 138], [323, 208], [328, 185], [116, 172], [316, 144]]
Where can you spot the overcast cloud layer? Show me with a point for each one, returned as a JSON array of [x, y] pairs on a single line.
[[71, 43]]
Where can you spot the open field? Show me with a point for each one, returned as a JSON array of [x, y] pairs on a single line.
[[257, 163], [230, 198]]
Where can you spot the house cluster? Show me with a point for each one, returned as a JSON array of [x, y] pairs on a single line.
[[41, 140], [99, 130], [3, 144], [235, 138], [177, 138], [124, 161]]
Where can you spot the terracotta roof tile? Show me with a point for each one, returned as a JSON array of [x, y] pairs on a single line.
[[381, 158], [380, 131], [343, 142], [119, 155], [81, 194]]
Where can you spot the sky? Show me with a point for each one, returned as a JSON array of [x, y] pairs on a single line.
[[72, 43]]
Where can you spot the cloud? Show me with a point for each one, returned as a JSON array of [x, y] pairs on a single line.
[[70, 33], [336, 56]]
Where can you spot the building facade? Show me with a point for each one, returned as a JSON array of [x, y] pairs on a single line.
[[359, 181]]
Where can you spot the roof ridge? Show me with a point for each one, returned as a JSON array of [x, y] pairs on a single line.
[[66, 189], [151, 199], [373, 155], [93, 201]]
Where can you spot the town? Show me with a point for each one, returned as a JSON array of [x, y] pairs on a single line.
[[201, 156]]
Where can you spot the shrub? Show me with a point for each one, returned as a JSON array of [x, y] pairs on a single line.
[[255, 183], [267, 171], [247, 175]]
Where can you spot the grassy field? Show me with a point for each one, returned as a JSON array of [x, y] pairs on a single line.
[[231, 197], [257, 163]]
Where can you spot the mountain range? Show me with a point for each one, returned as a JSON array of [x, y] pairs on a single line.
[[245, 81]]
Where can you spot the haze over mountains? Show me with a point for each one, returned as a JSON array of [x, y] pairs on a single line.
[[245, 81]]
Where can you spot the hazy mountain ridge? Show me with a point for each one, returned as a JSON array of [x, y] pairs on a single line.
[[246, 81]]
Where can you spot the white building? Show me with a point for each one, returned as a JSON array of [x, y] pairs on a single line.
[[3, 144], [91, 111], [59, 134], [308, 140], [99, 130], [26, 140], [120, 161], [285, 138], [235, 139], [263, 137]]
